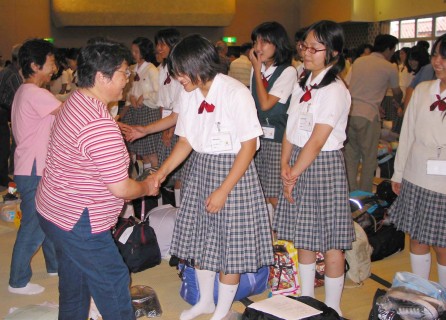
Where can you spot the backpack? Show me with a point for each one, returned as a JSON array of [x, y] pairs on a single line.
[[283, 276], [359, 257]]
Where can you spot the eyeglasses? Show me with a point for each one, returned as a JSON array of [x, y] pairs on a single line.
[[126, 72], [310, 49]]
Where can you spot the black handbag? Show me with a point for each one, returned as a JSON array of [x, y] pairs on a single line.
[[137, 244]]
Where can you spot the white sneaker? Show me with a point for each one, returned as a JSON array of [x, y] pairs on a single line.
[[29, 289], [53, 274]]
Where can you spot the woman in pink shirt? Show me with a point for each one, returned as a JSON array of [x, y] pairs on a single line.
[[32, 115]]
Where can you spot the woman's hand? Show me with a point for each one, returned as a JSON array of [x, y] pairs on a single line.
[[396, 187], [216, 201]]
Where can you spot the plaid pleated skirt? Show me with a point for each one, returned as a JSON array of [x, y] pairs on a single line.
[[163, 153], [235, 240], [267, 161], [143, 116], [320, 219], [421, 213]]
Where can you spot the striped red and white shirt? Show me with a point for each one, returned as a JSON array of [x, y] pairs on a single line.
[[85, 153]]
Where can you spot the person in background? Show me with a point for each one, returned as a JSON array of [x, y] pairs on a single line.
[[272, 82], [371, 75], [10, 81], [87, 157], [169, 89], [222, 49], [312, 163], [143, 101], [419, 209], [240, 68], [33, 111], [223, 204], [71, 61]]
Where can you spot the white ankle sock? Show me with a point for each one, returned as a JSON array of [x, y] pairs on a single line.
[[421, 264], [206, 303], [29, 289], [333, 292], [177, 193], [441, 274], [226, 294], [307, 273]]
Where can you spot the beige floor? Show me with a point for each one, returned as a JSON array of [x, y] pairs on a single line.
[[356, 302]]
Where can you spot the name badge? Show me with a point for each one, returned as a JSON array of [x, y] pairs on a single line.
[[306, 122], [166, 113], [436, 167], [268, 132], [221, 142]]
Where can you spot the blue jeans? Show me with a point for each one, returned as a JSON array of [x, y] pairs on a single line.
[[90, 265], [30, 236]]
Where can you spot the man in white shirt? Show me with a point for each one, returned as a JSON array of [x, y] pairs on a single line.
[[370, 77], [240, 68]]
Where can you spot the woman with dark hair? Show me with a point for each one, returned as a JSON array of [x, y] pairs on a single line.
[[32, 116], [84, 188], [272, 82], [419, 179], [142, 101], [314, 210], [222, 222]]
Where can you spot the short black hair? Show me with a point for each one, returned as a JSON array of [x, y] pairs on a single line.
[[441, 43], [34, 51], [146, 48], [105, 57], [169, 36], [384, 42], [196, 57], [274, 33], [245, 46], [72, 53], [299, 35]]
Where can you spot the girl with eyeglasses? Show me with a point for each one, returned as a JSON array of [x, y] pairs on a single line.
[[273, 79], [314, 210]]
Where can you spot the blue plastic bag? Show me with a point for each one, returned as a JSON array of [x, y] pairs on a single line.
[[414, 282], [250, 284]]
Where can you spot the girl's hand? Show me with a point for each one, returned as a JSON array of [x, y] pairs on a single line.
[[216, 201], [131, 133], [287, 176], [287, 192], [133, 101], [255, 61], [396, 187], [140, 101], [166, 138]]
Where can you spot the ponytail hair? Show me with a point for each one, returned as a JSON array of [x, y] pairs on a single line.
[[331, 35]]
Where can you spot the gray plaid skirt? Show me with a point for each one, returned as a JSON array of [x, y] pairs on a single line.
[[163, 153], [267, 161], [320, 219], [421, 213], [235, 240], [143, 116]]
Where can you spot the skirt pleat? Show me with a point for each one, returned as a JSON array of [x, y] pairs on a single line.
[[320, 219], [143, 116], [267, 162], [237, 239], [421, 213]]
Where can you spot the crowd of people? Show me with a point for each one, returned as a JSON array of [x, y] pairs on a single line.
[[264, 146]]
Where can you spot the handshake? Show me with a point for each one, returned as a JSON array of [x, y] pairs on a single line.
[[152, 181]]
